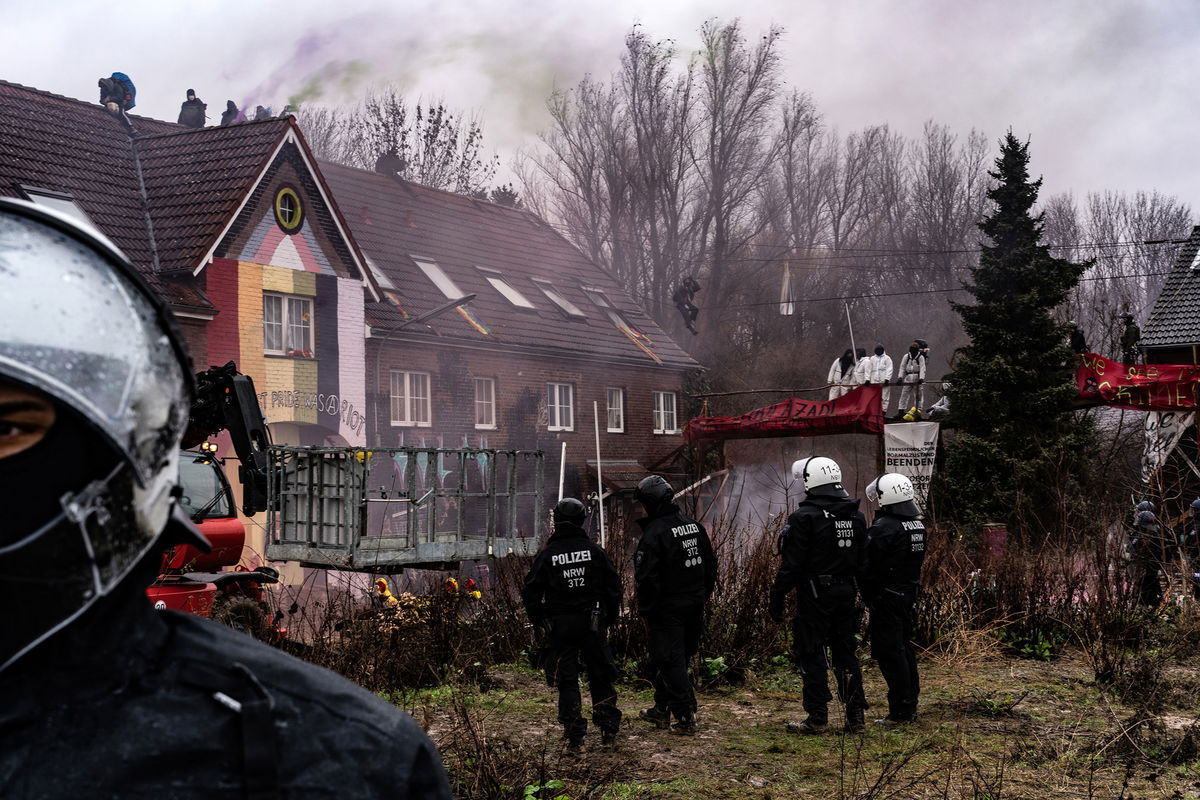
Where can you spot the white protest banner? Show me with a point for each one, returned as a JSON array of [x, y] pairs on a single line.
[[909, 449], [1164, 429]]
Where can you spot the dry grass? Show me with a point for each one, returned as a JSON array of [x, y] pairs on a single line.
[[1104, 695]]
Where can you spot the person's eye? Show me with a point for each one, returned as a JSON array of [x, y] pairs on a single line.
[[10, 429]]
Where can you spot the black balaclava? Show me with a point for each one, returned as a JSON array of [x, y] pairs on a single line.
[[846, 361], [913, 349], [878, 349], [34, 480], [861, 353]]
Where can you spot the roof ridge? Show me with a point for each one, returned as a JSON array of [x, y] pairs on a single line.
[[416, 186], [183, 131], [86, 103]]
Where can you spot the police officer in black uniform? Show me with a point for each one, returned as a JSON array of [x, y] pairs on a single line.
[[822, 548], [573, 592], [895, 553], [101, 695], [1189, 543], [676, 571], [1153, 549]]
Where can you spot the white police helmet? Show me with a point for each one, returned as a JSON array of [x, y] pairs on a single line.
[[820, 476], [895, 491], [890, 488]]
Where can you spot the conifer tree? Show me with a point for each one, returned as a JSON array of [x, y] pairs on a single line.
[[1019, 451]]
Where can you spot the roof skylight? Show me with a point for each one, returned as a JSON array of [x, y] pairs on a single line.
[[60, 202], [501, 285], [440, 279], [559, 299]]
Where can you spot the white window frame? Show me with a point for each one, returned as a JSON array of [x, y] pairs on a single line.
[[559, 300], [438, 277], [291, 323], [404, 395], [560, 407], [485, 404], [616, 393], [506, 289], [664, 415]]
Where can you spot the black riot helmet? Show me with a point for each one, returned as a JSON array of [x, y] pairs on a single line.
[[1146, 521], [1195, 507], [654, 493], [570, 510]]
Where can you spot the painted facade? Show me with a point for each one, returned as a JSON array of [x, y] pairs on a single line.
[[308, 366]]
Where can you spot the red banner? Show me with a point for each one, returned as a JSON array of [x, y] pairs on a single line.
[[1141, 387], [858, 411]]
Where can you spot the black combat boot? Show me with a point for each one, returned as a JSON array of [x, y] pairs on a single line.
[[810, 726], [661, 717], [685, 725]]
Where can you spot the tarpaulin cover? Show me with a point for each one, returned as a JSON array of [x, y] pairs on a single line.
[[858, 411], [1141, 387]]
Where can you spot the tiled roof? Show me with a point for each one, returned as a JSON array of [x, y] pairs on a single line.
[[192, 180], [393, 220], [53, 142], [1175, 318], [214, 165]]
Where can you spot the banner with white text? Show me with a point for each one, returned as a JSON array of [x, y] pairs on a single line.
[[1164, 429], [909, 448]]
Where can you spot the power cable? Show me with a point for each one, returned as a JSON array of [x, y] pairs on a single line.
[[915, 292], [872, 252]]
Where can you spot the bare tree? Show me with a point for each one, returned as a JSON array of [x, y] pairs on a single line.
[[424, 143], [1128, 238], [714, 167], [734, 151]]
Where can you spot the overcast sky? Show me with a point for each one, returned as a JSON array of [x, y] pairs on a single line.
[[1100, 87]]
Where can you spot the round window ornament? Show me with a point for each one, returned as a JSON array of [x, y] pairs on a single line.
[[289, 213]]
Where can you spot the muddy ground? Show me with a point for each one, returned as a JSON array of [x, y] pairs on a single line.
[[990, 727]]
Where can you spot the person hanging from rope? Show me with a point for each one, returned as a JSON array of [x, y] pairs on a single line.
[[683, 298]]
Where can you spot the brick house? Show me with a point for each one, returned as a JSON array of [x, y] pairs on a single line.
[[238, 229], [548, 337], [234, 227], [1171, 334]]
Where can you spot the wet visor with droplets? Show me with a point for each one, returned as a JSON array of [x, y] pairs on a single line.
[[78, 325]]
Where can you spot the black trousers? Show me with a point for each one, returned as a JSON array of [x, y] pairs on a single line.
[[573, 641], [1149, 585], [674, 638], [891, 630], [827, 617]]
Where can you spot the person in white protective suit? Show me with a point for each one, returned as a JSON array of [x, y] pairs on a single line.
[[879, 370], [861, 375], [942, 406], [912, 376], [841, 375]]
